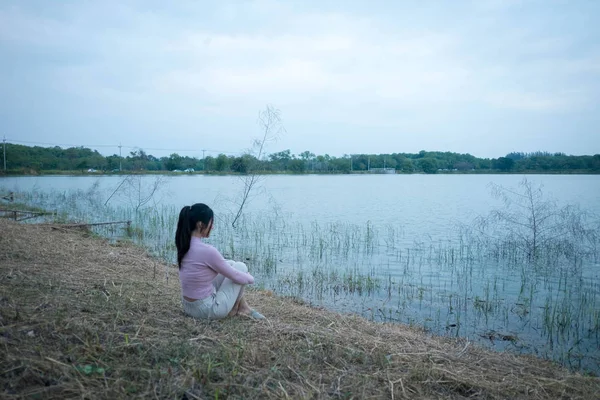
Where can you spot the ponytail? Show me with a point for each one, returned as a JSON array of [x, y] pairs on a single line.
[[189, 216], [183, 235]]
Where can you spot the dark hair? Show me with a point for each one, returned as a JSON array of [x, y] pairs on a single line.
[[189, 216]]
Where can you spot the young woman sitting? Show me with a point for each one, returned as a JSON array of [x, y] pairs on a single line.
[[212, 287]]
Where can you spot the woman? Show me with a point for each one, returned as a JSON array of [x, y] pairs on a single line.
[[212, 287]]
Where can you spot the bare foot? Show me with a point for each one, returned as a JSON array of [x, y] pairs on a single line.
[[244, 310], [250, 313]]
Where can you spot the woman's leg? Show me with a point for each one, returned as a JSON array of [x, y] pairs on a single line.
[[244, 308], [229, 294], [242, 305], [218, 281], [236, 307], [227, 290]]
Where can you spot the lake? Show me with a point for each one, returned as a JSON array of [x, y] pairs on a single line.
[[400, 248]]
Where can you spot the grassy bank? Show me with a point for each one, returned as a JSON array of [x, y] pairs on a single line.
[[81, 317]]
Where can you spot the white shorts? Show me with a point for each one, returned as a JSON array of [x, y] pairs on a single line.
[[220, 303]]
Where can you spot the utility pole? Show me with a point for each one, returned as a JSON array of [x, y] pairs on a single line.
[[4, 147], [120, 158]]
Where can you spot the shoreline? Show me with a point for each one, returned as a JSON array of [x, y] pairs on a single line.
[[17, 174], [83, 317]]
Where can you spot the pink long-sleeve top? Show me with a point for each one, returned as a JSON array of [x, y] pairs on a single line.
[[200, 266]]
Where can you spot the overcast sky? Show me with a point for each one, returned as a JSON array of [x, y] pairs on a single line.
[[485, 77]]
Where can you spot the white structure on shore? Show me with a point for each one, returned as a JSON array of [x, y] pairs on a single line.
[[382, 170]]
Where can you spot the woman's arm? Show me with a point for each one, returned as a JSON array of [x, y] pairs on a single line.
[[218, 263]]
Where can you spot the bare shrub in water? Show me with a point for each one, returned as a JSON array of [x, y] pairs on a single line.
[[136, 192], [270, 123], [532, 225]]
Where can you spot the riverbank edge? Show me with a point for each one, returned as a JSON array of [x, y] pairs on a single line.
[[81, 317], [24, 173]]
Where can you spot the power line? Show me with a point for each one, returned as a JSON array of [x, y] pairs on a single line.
[[184, 150], [128, 147], [60, 144]]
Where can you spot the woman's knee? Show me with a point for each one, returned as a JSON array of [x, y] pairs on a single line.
[[240, 266]]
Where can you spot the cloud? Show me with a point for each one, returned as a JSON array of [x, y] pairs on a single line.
[[527, 101], [330, 62], [338, 57], [341, 67]]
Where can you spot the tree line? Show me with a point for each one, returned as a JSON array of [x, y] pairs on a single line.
[[21, 158]]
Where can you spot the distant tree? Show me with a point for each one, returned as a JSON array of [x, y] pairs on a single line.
[[240, 165], [407, 165], [173, 162], [485, 163], [504, 163], [138, 159], [297, 166], [57, 158], [188, 162], [516, 156], [341, 164], [112, 162], [82, 165], [595, 163], [154, 164], [281, 159], [306, 155], [428, 165], [308, 159], [209, 163], [222, 163], [463, 166]]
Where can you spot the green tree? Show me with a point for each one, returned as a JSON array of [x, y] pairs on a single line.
[[297, 166], [138, 160], [222, 163], [428, 165], [240, 165], [504, 163], [407, 165], [209, 163], [463, 166], [281, 159], [306, 155], [82, 165], [173, 162]]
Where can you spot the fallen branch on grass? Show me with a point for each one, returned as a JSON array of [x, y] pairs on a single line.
[[14, 214], [90, 224]]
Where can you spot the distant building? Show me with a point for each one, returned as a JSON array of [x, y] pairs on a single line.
[[382, 170]]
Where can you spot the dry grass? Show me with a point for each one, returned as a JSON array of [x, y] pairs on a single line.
[[80, 317]]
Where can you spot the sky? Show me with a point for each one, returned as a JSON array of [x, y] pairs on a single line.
[[485, 77]]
